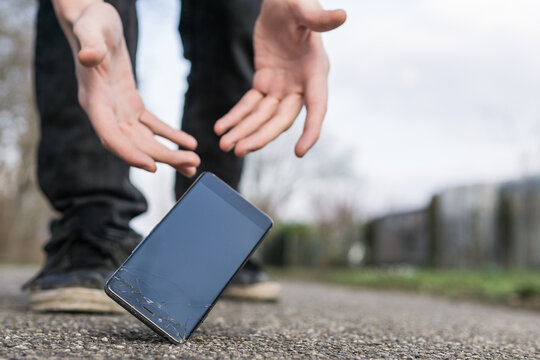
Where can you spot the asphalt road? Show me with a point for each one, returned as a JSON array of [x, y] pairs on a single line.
[[312, 321]]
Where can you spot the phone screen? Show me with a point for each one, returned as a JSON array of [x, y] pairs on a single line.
[[174, 277]]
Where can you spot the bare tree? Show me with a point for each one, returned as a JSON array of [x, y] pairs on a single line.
[[274, 176], [23, 212]]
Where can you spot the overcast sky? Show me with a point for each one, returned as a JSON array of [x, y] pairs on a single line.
[[426, 94]]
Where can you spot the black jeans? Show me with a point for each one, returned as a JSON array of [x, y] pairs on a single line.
[[90, 186]]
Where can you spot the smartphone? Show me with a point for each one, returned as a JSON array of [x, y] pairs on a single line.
[[175, 275]]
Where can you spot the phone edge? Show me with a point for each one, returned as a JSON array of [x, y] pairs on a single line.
[[140, 316]]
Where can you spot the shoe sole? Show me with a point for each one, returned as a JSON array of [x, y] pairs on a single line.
[[72, 299], [267, 291]]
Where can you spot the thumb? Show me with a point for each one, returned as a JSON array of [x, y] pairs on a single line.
[[92, 44], [314, 17]]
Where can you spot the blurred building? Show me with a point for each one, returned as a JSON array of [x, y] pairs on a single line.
[[469, 226], [519, 223], [401, 238]]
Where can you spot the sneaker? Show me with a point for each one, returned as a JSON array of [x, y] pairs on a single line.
[[253, 284], [73, 277]]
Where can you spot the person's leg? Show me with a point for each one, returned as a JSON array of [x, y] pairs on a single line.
[[85, 183], [217, 40], [217, 36]]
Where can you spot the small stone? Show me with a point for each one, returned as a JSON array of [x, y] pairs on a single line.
[[104, 339]]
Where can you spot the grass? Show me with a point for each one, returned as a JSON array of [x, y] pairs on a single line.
[[511, 287]]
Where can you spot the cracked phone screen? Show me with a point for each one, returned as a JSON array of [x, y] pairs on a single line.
[[175, 275]]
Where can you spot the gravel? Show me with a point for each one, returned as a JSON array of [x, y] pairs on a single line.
[[312, 321]]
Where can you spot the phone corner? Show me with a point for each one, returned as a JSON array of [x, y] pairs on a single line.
[[269, 221], [206, 173], [108, 284]]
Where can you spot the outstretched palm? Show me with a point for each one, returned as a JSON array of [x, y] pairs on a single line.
[[108, 94], [291, 69]]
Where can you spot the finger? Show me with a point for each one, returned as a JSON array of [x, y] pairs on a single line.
[[93, 55], [314, 17], [91, 40], [160, 128], [115, 141], [175, 158], [266, 109], [158, 151], [316, 98], [188, 171], [248, 102], [283, 119]]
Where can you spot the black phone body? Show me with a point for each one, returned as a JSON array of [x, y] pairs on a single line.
[[175, 275]]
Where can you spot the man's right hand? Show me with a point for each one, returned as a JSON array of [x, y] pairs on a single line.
[[108, 93]]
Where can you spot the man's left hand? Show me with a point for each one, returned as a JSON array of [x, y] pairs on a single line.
[[291, 68]]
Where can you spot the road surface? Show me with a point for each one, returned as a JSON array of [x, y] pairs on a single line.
[[312, 321]]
